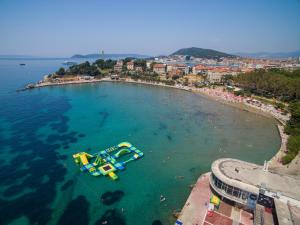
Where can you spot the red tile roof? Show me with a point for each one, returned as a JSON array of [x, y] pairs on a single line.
[[201, 67], [159, 65]]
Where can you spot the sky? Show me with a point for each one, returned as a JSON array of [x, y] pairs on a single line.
[[61, 28]]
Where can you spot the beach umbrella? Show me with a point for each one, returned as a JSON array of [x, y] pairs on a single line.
[[215, 200]]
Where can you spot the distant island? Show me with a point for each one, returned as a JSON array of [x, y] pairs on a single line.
[[108, 56], [202, 53]]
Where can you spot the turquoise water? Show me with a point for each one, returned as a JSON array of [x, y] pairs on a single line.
[[181, 133]]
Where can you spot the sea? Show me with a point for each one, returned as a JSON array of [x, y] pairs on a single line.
[[180, 133]]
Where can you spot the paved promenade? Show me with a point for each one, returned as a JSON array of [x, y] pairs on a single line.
[[194, 210]]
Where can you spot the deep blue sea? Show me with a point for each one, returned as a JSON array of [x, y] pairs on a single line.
[[180, 133]]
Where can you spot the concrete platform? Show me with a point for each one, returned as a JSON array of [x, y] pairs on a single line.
[[194, 211], [251, 177]]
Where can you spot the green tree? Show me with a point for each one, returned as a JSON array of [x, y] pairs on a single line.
[[281, 84], [170, 82], [293, 125], [175, 77], [293, 129], [186, 82], [140, 62], [61, 71], [102, 64]]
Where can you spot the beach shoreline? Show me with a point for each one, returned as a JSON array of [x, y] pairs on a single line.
[[238, 104], [220, 96]]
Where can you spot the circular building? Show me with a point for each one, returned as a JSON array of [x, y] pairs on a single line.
[[253, 187]]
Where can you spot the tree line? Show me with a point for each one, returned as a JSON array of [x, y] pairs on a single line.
[[292, 128], [87, 68], [282, 85], [94, 69]]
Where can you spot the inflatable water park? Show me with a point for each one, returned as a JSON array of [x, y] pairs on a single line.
[[108, 161]]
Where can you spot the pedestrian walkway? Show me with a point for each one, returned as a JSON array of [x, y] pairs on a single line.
[[194, 211]]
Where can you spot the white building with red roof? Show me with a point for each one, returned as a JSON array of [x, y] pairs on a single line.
[[159, 68]]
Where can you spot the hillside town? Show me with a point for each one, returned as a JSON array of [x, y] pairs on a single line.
[[200, 70]]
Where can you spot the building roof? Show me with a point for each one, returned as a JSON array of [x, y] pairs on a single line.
[[119, 62], [130, 63], [200, 67], [159, 65], [251, 177], [181, 65]]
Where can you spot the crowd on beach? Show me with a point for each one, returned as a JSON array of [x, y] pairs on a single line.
[[220, 94], [268, 108]]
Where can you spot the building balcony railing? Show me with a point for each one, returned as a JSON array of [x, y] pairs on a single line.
[[223, 193]]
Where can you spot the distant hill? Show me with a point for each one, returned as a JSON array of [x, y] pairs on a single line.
[[270, 55], [201, 53], [107, 56]]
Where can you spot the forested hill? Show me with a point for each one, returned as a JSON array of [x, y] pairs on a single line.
[[202, 53]]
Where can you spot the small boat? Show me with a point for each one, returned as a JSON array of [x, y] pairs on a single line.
[[22, 64]]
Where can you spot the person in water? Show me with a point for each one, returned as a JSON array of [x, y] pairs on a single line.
[[162, 198]]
